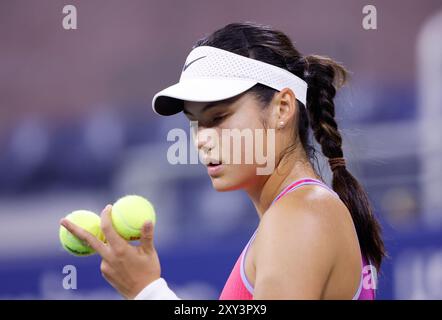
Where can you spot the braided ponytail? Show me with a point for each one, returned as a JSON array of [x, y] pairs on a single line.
[[324, 77]]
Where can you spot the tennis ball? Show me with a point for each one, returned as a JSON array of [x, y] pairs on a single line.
[[129, 214], [86, 220]]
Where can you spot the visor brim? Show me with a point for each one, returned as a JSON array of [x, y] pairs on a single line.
[[171, 100]]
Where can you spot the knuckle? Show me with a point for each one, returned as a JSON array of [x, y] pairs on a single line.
[[86, 235], [89, 239], [105, 226], [148, 236], [82, 236], [119, 251]]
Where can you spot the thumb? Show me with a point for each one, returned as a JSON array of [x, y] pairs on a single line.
[[146, 240]]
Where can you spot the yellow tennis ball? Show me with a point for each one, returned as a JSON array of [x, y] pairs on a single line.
[[129, 214], [86, 220]]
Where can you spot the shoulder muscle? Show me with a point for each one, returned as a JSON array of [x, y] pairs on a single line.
[[296, 246]]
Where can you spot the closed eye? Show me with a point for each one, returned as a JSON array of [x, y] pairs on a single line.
[[218, 119]]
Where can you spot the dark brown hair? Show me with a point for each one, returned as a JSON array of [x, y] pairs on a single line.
[[323, 76]]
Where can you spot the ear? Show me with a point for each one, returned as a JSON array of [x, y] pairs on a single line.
[[284, 109]]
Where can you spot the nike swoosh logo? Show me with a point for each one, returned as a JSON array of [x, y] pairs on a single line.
[[187, 65]]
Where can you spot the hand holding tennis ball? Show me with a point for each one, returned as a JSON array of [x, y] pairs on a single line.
[[129, 214], [88, 221], [128, 268]]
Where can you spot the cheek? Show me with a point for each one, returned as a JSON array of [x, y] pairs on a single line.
[[247, 119], [235, 177], [241, 140]]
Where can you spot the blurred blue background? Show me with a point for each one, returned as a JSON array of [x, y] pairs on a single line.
[[77, 131]]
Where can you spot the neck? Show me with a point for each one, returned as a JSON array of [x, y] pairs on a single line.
[[294, 167]]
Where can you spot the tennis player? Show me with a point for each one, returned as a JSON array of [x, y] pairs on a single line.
[[313, 241]]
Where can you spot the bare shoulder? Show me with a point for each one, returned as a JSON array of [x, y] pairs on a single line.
[[310, 209], [301, 234]]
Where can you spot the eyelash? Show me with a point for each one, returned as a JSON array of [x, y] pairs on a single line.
[[215, 120], [218, 119]]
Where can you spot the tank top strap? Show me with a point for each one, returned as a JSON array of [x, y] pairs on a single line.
[[301, 182]]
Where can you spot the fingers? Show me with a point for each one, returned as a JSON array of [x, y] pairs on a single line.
[[85, 236], [112, 237], [146, 241]]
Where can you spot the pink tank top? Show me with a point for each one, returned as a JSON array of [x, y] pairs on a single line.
[[238, 287]]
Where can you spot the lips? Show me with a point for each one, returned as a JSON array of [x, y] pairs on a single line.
[[214, 167], [214, 164]]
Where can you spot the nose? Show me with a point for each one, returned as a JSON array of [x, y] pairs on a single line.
[[206, 139]]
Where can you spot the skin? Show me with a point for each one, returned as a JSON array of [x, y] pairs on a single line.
[[308, 235], [126, 267]]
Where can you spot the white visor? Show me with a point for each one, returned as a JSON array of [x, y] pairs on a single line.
[[212, 74]]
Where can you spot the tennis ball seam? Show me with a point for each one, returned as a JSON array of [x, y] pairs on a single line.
[[79, 252], [121, 216], [71, 237]]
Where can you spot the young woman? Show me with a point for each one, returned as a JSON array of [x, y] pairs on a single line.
[[313, 241]]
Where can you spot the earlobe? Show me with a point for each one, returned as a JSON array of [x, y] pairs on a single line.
[[286, 106]]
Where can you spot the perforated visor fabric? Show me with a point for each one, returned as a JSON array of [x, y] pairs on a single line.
[[212, 74]]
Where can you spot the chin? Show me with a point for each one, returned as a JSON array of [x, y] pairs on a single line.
[[222, 184]]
